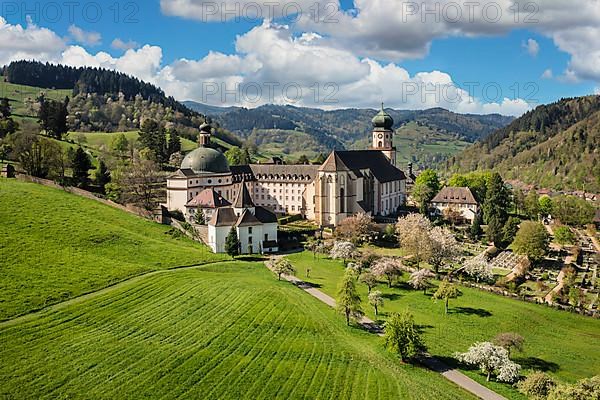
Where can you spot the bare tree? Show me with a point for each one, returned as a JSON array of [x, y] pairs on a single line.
[[356, 229], [140, 183]]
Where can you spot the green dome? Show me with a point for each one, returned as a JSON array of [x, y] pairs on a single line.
[[383, 120], [206, 160]]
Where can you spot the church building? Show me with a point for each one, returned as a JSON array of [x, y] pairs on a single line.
[[348, 182]]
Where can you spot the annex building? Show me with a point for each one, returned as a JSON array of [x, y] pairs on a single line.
[[347, 183]]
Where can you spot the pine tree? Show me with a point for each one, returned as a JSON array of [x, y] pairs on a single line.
[[174, 145], [348, 300], [153, 137], [495, 208], [199, 218], [102, 176], [81, 165], [232, 243]]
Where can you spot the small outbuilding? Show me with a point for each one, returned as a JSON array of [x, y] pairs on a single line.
[[7, 171]]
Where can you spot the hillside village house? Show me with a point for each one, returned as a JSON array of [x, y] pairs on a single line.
[[458, 199], [347, 183]]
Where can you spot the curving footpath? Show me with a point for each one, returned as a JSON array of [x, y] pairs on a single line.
[[453, 375]]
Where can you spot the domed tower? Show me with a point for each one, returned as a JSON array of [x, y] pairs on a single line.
[[383, 135], [204, 135]]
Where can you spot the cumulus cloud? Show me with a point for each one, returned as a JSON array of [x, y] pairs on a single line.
[[29, 42], [547, 74], [84, 37], [271, 64], [396, 30], [119, 44], [532, 47]]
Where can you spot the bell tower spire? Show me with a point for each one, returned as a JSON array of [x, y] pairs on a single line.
[[383, 134]]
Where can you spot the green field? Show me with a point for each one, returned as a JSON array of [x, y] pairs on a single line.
[[565, 345], [55, 245], [20, 95], [225, 331]]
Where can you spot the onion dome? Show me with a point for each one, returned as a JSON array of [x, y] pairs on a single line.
[[383, 120]]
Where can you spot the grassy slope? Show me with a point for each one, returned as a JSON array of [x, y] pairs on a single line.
[[226, 331], [19, 94], [567, 345], [55, 245]]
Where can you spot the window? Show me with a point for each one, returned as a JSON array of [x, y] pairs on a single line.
[[342, 200], [266, 237], [250, 239]]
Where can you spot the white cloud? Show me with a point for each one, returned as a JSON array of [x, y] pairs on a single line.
[[84, 37], [547, 74], [119, 44], [532, 47], [271, 59], [30, 42]]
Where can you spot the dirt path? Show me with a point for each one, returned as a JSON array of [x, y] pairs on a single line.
[[432, 363], [97, 293]]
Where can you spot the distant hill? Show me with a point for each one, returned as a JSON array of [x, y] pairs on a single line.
[[555, 146], [426, 137], [208, 109]]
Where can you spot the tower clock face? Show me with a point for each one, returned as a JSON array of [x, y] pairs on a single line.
[[380, 136]]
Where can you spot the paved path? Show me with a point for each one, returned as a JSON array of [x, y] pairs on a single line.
[[432, 363], [92, 295]]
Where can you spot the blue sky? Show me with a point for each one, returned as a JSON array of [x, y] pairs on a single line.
[[489, 56]]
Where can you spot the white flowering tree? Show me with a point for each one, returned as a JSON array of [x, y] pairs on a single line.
[[443, 247], [479, 269], [342, 251], [421, 280], [376, 300], [413, 235], [491, 360], [283, 267], [388, 268]]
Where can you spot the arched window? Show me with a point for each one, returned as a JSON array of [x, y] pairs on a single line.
[[342, 200], [380, 144]]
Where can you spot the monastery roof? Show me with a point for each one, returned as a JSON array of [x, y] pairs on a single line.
[[208, 199], [243, 198], [455, 195], [265, 215], [373, 160], [247, 219], [223, 217], [284, 170]]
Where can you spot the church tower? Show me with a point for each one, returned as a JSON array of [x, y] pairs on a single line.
[[383, 135], [204, 135]]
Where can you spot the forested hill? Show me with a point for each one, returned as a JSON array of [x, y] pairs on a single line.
[[554, 146], [88, 80], [104, 100]]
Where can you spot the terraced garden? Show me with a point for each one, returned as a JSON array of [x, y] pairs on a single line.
[[225, 331], [55, 245], [563, 344]]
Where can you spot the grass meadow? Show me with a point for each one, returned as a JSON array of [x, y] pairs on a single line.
[[226, 331], [565, 345], [55, 245]]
